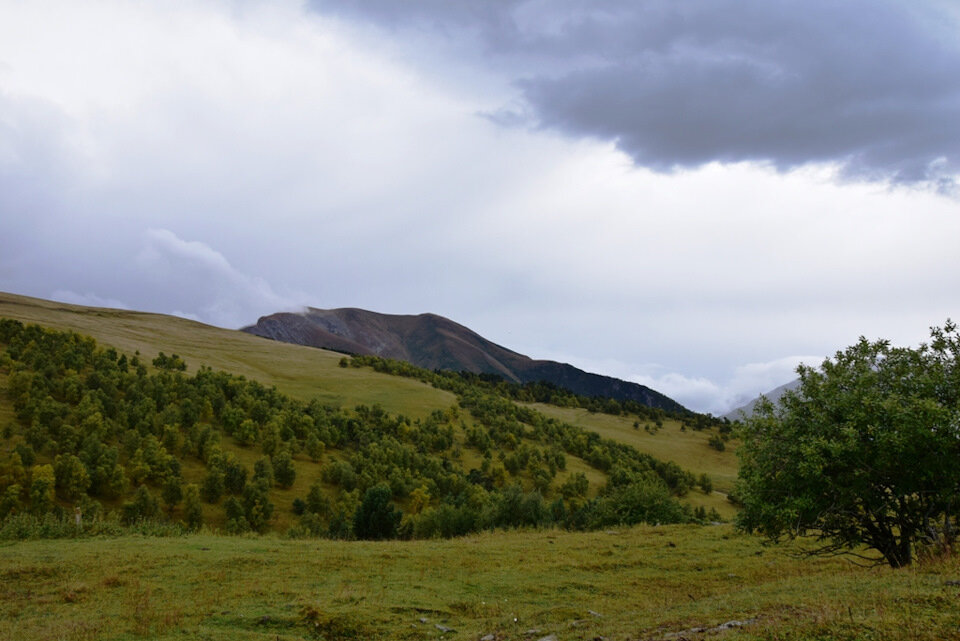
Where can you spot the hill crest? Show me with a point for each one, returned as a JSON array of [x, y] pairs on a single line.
[[438, 343]]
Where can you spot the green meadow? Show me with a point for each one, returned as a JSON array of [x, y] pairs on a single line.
[[644, 582]]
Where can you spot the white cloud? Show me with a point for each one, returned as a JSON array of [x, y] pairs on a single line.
[[163, 242], [746, 383], [716, 394], [186, 315], [90, 299], [222, 294]]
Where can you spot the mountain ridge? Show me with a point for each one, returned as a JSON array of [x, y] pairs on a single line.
[[434, 342]]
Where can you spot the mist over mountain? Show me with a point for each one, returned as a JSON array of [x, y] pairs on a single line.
[[435, 342], [746, 410]]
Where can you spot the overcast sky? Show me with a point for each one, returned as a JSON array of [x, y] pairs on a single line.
[[694, 195]]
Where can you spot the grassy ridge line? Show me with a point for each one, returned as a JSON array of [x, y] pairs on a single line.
[[302, 372], [639, 583]]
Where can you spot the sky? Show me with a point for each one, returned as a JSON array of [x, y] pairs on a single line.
[[692, 195]]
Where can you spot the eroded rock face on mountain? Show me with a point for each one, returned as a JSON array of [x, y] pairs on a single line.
[[435, 342]]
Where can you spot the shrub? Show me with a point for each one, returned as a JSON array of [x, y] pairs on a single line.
[[716, 442], [283, 469], [192, 510], [143, 506], [377, 517]]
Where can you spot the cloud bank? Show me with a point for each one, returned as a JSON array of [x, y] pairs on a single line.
[[870, 86], [219, 293]]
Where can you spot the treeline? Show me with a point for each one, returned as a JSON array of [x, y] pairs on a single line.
[[100, 431], [536, 392]]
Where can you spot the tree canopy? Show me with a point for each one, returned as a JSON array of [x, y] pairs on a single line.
[[865, 452]]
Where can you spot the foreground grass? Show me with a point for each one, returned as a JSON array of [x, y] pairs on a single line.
[[639, 583]]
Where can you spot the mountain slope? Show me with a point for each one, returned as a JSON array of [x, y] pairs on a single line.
[[435, 342], [298, 371], [114, 432], [746, 410]]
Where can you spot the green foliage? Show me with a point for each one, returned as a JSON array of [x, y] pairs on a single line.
[[144, 506], [283, 471], [172, 362], [10, 500], [172, 493], [247, 433], [864, 452], [317, 502], [72, 479], [110, 424], [377, 517], [24, 526], [705, 483], [42, 487], [446, 521], [234, 475], [644, 500], [192, 509], [263, 469], [575, 486], [26, 454], [236, 519], [314, 447], [716, 442], [257, 506], [213, 486], [343, 515]]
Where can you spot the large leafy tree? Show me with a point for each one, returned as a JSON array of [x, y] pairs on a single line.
[[866, 452]]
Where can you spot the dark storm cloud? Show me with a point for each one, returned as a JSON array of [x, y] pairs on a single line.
[[871, 85]]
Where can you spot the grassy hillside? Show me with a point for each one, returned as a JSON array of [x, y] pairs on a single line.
[[307, 373], [301, 372], [96, 429], [627, 584], [686, 447]]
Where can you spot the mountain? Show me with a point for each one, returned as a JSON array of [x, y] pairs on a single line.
[[435, 342], [746, 410]]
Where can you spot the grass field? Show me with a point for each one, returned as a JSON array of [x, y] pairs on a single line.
[[640, 583]]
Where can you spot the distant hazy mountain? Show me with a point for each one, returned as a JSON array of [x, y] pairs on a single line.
[[435, 342], [746, 411]]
